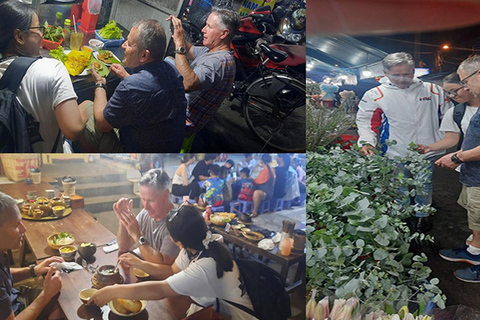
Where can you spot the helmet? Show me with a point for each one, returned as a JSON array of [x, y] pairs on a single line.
[[298, 19]]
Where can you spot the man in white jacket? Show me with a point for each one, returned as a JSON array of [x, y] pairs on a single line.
[[405, 109]]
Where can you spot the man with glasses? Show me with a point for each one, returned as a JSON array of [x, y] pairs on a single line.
[[405, 109], [147, 107], [456, 120], [469, 158], [147, 231]]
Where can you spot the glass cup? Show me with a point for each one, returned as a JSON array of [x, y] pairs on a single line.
[[76, 40]]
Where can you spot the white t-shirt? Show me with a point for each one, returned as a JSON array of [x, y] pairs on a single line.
[[45, 85], [198, 279], [449, 125]]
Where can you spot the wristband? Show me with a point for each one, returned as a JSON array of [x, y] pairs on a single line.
[[100, 85], [32, 270]]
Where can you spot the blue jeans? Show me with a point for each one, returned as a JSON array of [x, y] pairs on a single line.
[[420, 200]]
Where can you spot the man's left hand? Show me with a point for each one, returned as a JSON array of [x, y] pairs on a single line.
[[446, 162], [178, 31], [129, 221], [44, 266]]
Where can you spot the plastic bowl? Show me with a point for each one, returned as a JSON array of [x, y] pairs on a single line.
[[109, 42], [57, 246], [50, 45]]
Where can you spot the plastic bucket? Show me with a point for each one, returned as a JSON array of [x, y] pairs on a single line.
[[69, 188], [36, 177]]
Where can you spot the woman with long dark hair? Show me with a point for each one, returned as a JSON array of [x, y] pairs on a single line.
[[203, 270], [46, 91]]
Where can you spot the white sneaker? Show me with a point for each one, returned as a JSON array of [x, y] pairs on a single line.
[[469, 240]]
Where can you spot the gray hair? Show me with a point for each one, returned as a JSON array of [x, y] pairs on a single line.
[[452, 78], [7, 207], [470, 64], [397, 59], [227, 19], [151, 37], [156, 178]]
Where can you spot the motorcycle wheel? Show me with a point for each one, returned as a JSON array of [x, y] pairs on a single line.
[[274, 108]]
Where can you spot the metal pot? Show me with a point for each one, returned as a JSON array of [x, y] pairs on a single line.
[[106, 275]]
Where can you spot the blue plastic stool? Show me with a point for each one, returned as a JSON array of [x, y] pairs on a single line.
[[265, 206], [303, 199], [242, 206], [218, 209], [176, 199], [276, 204], [287, 204]]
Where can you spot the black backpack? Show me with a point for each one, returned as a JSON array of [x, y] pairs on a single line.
[[18, 129], [458, 112], [266, 289]]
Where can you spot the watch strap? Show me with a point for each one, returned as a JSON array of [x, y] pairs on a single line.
[[32, 270], [455, 159], [101, 85]]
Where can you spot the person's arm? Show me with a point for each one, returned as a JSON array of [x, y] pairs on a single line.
[[51, 286], [183, 173], [149, 290], [124, 241], [190, 80], [156, 271], [152, 255], [41, 268], [71, 120], [368, 121], [100, 102], [451, 139], [469, 155]]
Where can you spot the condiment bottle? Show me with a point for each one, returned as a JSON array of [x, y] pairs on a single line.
[[67, 26], [58, 19]]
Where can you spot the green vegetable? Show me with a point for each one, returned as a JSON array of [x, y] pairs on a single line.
[[58, 54], [52, 33], [103, 70], [110, 31]]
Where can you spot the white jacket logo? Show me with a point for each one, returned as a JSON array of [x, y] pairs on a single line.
[[426, 99]]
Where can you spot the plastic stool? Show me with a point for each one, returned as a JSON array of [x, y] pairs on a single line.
[[265, 206], [276, 204], [243, 205], [218, 209], [287, 204], [176, 199], [303, 198]]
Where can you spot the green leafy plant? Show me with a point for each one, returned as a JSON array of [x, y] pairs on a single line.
[[324, 124], [52, 33], [357, 241]]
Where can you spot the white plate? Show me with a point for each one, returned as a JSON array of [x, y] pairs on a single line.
[[96, 53], [266, 244], [85, 72], [112, 308]]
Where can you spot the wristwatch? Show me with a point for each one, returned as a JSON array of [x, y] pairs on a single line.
[[180, 50], [455, 159], [101, 85], [141, 241], [32, 270]]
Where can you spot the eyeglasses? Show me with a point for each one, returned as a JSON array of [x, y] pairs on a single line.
[[173, 213], [454, 92], [40, 28], [469, 76]]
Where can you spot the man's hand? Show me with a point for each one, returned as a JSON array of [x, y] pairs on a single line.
[[178, 32], [52, 283], [423, 148], [367, 150], [446, 162], [96, 77], [44, 266], [124, 211], [119, 71], [130, 260]]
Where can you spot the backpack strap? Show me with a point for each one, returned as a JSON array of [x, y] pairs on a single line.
[[54, 149], [15, 72], [458, 113]]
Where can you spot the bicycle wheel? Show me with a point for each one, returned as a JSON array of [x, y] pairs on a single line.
[[274, 108]]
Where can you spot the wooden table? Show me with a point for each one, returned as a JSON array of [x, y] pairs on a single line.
[[285, 261], [86, 229]]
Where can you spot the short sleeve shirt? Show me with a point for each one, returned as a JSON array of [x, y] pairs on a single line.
[[8, 295], [198, 279], [156, 234], [201, 169], [449, 125]]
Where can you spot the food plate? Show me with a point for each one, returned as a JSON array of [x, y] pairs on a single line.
[[253, 236], [85, 72], [114, 310], [266, 244], [219, 220], [106, 56], [67, 239], [67, 212]]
